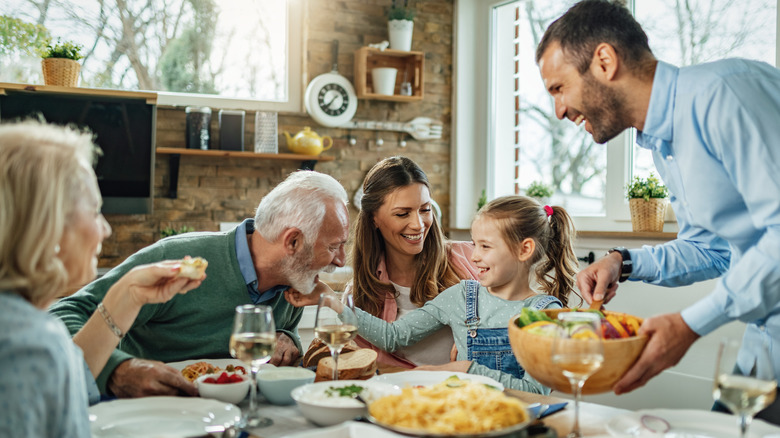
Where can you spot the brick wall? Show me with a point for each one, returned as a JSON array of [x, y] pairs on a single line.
[[214, 190]]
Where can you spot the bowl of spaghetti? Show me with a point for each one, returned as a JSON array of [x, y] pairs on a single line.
[[454, 407]]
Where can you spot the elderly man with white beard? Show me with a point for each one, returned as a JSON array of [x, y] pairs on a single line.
[[298, 231]]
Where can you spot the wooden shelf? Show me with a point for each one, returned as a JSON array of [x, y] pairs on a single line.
[[627, 235], [307, 161], [242, 154], [151, 97], [412, 63]]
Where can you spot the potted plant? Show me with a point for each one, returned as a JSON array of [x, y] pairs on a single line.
[[647, 201], [170, 231], [539, 190], [60, 63], [400, 25]]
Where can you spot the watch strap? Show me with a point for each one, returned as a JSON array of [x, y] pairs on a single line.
[[627, 266]]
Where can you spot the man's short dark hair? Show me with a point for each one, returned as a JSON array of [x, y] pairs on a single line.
[[592, 22]]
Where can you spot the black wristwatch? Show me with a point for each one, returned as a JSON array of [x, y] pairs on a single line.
[[627, 267]]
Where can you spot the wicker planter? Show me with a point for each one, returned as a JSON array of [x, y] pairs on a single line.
[[647, 215], [60, 71]]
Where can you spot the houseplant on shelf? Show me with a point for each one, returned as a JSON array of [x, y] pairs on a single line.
[[400, 25], [647, 202], [540, 191], [60, 63]]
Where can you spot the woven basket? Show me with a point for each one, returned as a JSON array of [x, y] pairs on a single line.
[[647, 215], [60, 71]]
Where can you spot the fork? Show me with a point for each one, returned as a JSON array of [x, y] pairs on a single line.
[[420, 128]]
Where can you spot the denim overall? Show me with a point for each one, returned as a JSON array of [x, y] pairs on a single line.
[[490, 346]]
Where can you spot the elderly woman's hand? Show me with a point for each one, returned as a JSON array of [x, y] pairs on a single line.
[[156, 282]]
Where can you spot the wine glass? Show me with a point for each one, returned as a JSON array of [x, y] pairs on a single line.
[[578, 351], [253, 341], [744, 388], [335, 323]]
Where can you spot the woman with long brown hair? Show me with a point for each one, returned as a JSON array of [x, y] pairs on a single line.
[[401, 258]]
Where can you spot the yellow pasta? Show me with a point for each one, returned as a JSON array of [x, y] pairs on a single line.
[[451, 407], [197, 369]]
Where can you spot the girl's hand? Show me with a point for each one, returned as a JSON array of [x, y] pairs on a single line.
[[461, 366], [156, 282], [298, 299]]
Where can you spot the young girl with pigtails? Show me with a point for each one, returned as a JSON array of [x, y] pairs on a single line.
[[517, 240]]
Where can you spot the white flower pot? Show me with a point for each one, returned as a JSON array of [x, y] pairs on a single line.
[[400, 34]]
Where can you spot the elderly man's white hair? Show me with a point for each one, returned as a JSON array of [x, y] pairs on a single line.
[[299, 201]]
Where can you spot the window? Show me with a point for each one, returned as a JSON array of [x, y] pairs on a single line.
[[224, 53], [505, 125]]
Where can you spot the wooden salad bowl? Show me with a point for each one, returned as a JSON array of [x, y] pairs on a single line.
[[533, 353]]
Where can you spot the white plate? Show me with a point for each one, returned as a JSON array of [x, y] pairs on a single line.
[[688, 423], [161, 417], [427, 378], [350, 429]]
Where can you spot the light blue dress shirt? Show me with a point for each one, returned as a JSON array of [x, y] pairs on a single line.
[[714, 131], [247, 266], [43, 392]]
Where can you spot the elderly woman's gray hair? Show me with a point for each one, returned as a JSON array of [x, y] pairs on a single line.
[[44, 170], [299, 201]]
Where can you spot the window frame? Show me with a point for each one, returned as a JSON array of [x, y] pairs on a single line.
[[473, 114]]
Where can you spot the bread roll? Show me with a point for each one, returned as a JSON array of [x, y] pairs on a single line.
[[356, 365], [318, 349], [193, 268]]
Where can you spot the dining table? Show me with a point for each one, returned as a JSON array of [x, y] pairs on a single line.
[[289, 421]]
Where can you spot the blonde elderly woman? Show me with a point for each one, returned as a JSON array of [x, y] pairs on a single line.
[[51, 231]]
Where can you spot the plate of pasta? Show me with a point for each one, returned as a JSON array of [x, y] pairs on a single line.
[[429, 378], [192, 369], [454, 407]]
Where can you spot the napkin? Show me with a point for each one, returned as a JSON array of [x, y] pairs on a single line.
[[550, 410]]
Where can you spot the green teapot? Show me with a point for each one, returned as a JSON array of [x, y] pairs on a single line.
[[307, 142]]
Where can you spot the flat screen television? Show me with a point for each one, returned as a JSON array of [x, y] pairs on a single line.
[[124, 129]]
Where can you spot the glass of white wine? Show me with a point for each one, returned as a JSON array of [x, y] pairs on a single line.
[[335, 323], [744, 388], [253, 342], [579, 352]]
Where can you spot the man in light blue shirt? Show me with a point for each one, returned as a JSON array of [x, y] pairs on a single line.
[[714, 131]]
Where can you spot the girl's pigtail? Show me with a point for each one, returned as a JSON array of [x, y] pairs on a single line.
[[556, 272]]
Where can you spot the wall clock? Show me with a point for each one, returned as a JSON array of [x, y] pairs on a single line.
[[330, 98]]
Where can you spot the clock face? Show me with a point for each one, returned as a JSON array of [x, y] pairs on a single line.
[[333, 99], [330, 100]]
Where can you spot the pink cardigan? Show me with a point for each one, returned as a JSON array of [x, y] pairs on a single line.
[[460, 258]]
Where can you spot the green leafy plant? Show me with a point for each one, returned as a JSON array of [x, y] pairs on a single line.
[[538, 189], [398, 12], [67, 50], [169, 231], [646, 188], [482, 200]]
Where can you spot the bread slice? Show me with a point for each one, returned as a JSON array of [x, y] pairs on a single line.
[[356, 365], [193, 268], [318, 349]]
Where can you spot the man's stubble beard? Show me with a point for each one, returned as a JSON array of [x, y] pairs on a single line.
[[298, 270], [604, 108]]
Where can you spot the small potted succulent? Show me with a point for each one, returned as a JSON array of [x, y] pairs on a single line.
[[400, 25], [647, 201], [60, 63]]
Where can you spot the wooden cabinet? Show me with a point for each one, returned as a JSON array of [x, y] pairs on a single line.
[[409, 64]]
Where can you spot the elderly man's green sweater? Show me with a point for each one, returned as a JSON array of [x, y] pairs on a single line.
[[190, 326]]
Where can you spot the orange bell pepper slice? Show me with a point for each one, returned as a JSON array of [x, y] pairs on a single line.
[[618, 326]]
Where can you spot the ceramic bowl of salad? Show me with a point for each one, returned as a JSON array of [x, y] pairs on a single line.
[[332, 402], [224, 386], [531, 336]]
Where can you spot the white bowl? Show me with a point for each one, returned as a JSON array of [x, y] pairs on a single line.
[[324, 410], [226, 392], [277, 384]]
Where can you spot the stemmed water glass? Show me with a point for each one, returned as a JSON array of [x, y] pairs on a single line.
[[335, 323], [578, 351], [253, 342], [744, 388]]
